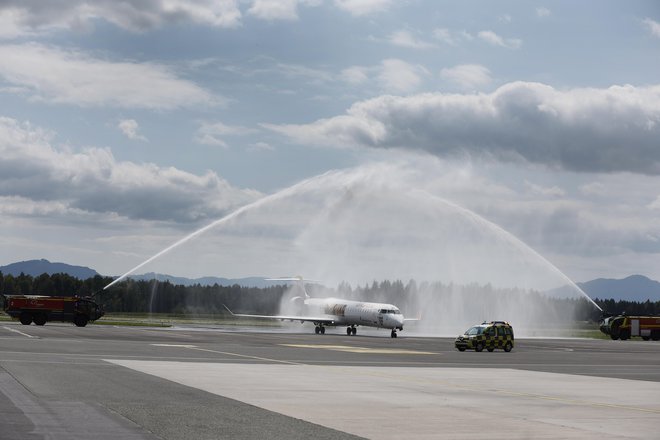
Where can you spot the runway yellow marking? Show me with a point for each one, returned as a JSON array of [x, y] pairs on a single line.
[[349, 349]]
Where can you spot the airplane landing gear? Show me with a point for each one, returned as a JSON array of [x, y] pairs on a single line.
[[319, 329], [393, 334], [351, 331]]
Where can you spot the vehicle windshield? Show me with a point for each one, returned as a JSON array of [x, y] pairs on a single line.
[[475, 331]]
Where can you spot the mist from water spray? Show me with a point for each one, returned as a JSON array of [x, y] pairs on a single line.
[[375, 223]]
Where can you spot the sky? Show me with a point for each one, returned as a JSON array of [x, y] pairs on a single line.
[[125, 126]]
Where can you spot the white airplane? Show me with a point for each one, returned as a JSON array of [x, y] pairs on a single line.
[[337, 312]]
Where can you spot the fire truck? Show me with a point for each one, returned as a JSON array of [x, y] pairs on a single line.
[[41, 309], [624, 327]]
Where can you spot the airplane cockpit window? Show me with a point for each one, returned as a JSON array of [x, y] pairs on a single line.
[[388, 311]]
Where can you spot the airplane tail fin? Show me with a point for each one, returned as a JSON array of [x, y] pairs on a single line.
[[300, 282]]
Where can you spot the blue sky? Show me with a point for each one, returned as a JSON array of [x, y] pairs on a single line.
[[124, 126]]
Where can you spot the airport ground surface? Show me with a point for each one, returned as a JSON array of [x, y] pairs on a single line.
[[104, 382]]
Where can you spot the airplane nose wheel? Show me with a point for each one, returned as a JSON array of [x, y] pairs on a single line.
[[393, 334]]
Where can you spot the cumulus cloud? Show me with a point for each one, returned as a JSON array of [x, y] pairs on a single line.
[[130, 129], [493, 39], [213, 133], [28, 16], [467, 76], [652, 26], [363, 7], [405, 39], [397, 76], [93, 181], [72, 77], [608, 130]]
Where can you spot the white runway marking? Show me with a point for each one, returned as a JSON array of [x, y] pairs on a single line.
[[425, 403], [19, 332]]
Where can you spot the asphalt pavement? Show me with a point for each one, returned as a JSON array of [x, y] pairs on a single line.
[[206, 382]]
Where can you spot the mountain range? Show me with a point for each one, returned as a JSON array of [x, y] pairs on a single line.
[[633, 288]]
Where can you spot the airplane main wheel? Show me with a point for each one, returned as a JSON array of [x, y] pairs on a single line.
[[322, 330], [354, 331], [393, 334], [317, 329], [348, 331]]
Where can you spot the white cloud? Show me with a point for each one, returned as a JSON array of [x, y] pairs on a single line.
[[275, 9], [404, 38], [652, 26], [493, 39], [212, 133], [543, 12], [261, 146], [467, 76], [135, 15], [544, 191], [363, 7], [130, 129], [505, 18], [72, 77], [612, 129], [92, 181], [355, 75], [397, 76], [452, 38]]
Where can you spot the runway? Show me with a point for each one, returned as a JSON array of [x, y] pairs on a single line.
[[60, 381]]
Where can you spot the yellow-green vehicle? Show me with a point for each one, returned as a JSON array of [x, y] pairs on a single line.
[[488, 335]]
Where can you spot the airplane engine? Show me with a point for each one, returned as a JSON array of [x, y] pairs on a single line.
[[297, 303]]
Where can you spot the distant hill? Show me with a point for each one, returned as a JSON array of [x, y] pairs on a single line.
[[37, 267], [633, 288], [207, 281]]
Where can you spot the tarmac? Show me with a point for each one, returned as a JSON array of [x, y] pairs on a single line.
[[209, 382]]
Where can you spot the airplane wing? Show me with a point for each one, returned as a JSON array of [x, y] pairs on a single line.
[[328, 320]]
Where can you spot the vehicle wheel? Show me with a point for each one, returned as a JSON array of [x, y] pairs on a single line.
[[354, 331], [646, 338], [40, 319], [479, 346], [625, 334], [80, 321], [26, 318], [614, 337], [490, 349], [322, 330], [508, 347], [460, 348]]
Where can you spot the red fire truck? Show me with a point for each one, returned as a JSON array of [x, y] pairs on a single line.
[[41, 309], [624, 326]]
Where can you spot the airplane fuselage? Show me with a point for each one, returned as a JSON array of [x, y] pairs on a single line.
[[354, 313]]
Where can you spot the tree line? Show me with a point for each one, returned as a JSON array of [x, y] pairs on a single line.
[[131, 296]]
